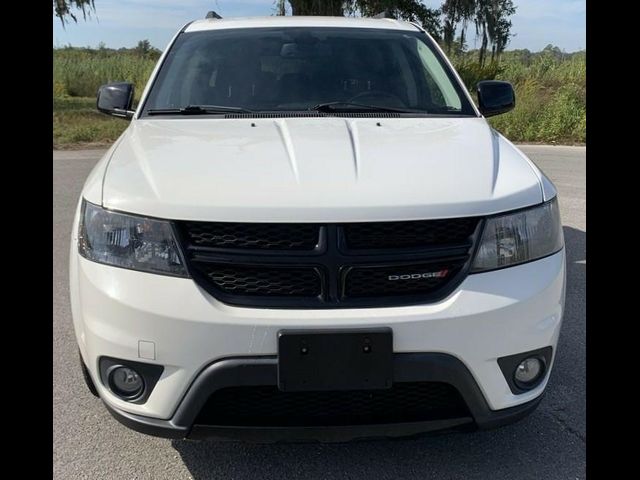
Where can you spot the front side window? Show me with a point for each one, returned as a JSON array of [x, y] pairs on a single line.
[[296, 69]]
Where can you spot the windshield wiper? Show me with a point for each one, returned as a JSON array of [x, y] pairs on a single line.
[[351, 106], [443, 110], [198, 110]]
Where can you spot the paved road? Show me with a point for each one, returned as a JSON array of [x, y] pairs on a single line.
[[550, 444]]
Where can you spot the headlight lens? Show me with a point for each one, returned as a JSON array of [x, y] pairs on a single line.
[[128, 241], [520, 237]]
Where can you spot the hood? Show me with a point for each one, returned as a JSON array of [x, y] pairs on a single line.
[[317, 170]]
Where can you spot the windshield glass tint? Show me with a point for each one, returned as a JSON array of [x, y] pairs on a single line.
[[293, 69]]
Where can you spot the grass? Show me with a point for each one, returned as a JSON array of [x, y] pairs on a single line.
[[77, 122], [79, 72], [550, 101], [550, 93]]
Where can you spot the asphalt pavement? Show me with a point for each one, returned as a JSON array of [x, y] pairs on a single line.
[[549, 444]]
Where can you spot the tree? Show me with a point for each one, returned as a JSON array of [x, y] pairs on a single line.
[[553, 51], [493, 25], [281, 8], [411, 10], [63, 9], [143, 47], [456, 12], [501, 38], [332, 8], [459, 46]]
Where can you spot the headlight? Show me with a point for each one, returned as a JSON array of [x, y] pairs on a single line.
[[129, 241], [520, 237]]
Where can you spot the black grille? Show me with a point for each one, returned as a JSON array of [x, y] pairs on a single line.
[[328, 265], [381, 235], [259, 236], [268, 406], [398, 279], [280, 281]]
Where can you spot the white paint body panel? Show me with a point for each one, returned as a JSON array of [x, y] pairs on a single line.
[[310, 170], [298, 21], [314, 170], [489, 315]]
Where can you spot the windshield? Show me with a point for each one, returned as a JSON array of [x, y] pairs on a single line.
[[300, 69]]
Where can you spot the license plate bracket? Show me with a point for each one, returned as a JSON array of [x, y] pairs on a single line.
[[356, 359]]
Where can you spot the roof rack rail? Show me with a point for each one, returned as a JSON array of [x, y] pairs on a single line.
[[212, 14], [385, 14]]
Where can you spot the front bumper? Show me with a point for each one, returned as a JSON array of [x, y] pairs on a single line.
[[490, 315], [408, 367]]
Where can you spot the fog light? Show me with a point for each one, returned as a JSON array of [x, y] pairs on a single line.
[[528, 371], [126, 382]]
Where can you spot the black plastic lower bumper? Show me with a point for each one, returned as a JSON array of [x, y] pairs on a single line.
[[408, 367]]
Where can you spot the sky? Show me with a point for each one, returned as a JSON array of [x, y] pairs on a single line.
[[122, 23]]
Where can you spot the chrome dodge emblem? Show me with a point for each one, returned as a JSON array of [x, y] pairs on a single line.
[[418, 276]]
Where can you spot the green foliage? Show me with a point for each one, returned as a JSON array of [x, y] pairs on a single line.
[[550, 91], [491, 21], [491, 18], [63, 9], [456, 12], [76, 121], [317, 7], [144, 49], [410, 10], [78, 72], [472, 72], [550, 98]]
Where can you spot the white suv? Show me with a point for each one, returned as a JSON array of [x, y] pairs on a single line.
[[309, 231]]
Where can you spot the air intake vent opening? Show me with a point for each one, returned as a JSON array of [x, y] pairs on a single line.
[[394, 235], [263, 280], [258, 236], [268, 406]]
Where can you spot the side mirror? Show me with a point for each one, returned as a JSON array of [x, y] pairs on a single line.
[[116, 99], [495, 97]]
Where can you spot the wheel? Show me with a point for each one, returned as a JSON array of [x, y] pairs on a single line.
[[87, 377]]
